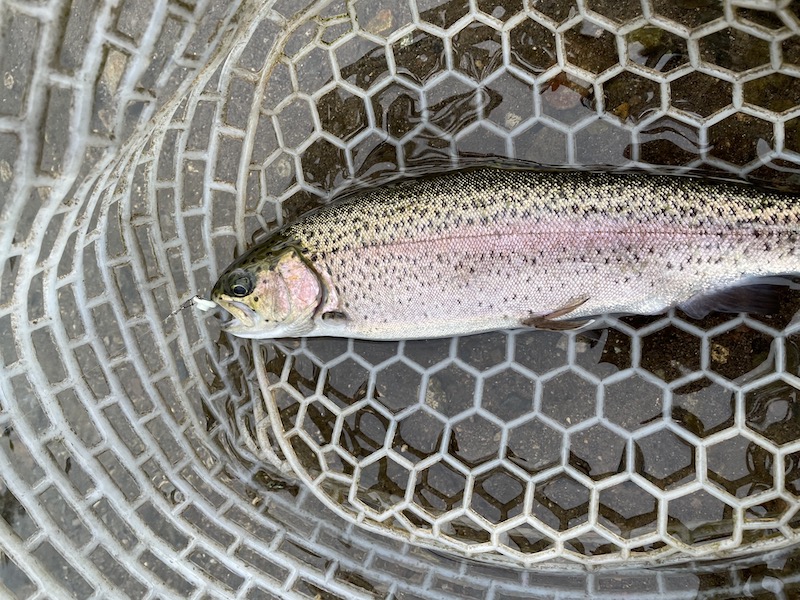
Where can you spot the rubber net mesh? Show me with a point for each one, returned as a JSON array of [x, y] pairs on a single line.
[[143, 143]]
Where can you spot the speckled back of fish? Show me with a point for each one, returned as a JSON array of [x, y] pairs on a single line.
[[488, 248]]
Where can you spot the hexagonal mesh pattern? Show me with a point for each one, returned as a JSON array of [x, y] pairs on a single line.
[[639, 441], [532, 446], [143, 455]]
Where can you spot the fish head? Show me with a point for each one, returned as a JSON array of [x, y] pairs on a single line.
[[271, 295]]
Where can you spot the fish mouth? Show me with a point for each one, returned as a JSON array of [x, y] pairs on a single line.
[[241, 315]]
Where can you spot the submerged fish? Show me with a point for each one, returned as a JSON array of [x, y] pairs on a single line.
[[484, 249]]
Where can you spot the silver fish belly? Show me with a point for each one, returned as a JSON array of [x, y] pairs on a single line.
[[485, 249]]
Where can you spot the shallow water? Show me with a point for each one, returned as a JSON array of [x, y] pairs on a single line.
[[145, 450]]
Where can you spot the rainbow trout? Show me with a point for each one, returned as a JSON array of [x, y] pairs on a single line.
[[485, 249]]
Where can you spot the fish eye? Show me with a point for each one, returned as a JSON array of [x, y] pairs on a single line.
[[240, 283]]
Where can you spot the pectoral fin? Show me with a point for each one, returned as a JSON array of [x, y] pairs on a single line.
[[334, 316], [550, 322], [332, 321]]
